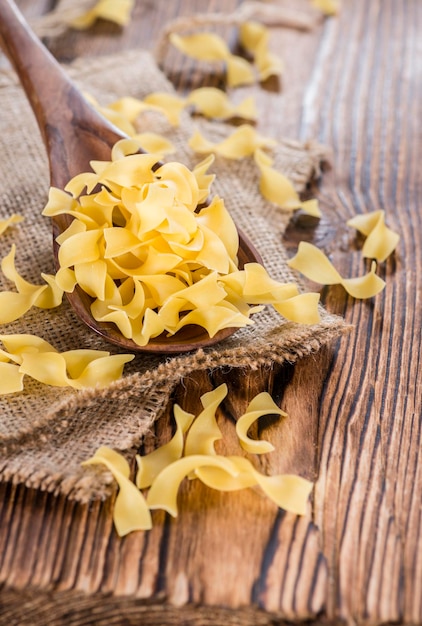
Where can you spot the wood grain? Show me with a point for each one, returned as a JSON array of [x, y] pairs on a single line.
[[355, 410]]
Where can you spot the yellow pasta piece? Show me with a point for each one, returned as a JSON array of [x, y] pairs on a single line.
[[215, 318], [17, 344], [205, 431], [217, 478], [119, 116], [211, 47], [9, 221], [164, 489], [242, 142], [150, 465], [82, 247], [329, 7], [254, 37], [117, 11], [125, 112], [277, 188], [11, 379], [75, 368], [100, 371], [380, 241], [302, 309], [130, 510], [287, 491], [14, 305], [214, 103], [219, 221], [256, 286], [170, 105], [152, 326], [129, 108], [262, 404], [50, 368], [313, 264], [203, 179], [153, 142], [133, 170]]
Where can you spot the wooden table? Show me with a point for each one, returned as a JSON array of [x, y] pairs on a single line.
[[353, 83]]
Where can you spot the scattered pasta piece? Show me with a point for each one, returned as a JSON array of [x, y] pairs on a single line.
[[204, 431], [153, 142], [287, 491], [164, 490], [170, 105], [329, 7], [214, 104], [262, 404], [130, 510], [124, 112], [211, 48], [14, 305], [117, 11], [9, 221], [242, 142], [380, 241], [150, 465], [11, 379], [254, 37], [277, 188], [313, 264], [38, 359], [150, 261]]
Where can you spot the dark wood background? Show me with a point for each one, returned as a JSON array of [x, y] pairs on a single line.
[[353, 83]]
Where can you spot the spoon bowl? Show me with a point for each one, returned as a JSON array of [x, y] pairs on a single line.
[[74, 134]]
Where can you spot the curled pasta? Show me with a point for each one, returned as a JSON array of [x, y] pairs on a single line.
[[117, 11], [262, 404], [125, 111], [313, 264], [35, 357], [150, 465], [164, 490], [242, 142], [205, 431], [254, 37], [287, 491], [277, 188], [9, 221], [380, 241], [130, 511], [11, 379], [329, 7], [14, 305], [211, 48], [214, 103]]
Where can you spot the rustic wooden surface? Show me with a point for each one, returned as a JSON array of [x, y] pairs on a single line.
[[353, 83]]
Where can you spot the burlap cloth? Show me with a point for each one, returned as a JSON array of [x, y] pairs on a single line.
[[46, 432]]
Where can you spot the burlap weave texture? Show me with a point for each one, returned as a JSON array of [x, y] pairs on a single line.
[[46, 432]]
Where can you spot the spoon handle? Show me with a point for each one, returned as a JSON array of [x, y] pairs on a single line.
[[72, 131]]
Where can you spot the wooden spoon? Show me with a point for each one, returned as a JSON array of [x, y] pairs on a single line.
[[75, 134]]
